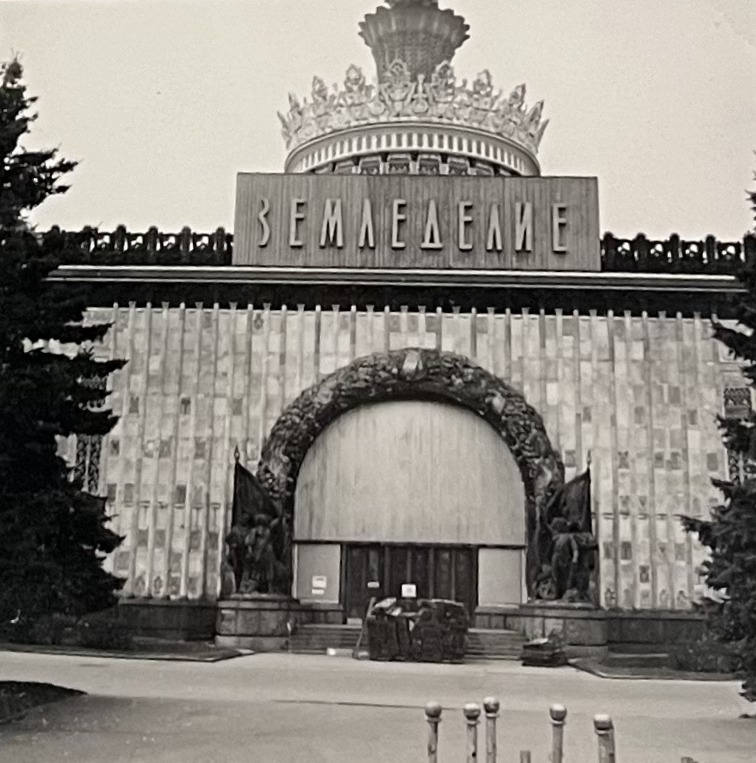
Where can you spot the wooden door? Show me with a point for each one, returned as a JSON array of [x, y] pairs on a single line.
[[363, 578], [455, 575]]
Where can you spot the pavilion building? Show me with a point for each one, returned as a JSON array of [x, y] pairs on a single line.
[[392, 319]]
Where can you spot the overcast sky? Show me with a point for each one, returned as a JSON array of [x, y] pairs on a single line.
[[163, 101]]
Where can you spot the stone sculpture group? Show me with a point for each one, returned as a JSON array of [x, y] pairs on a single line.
[[400, 96]]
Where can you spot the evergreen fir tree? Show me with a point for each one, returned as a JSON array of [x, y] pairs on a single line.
[[53, 535], [730, 534]]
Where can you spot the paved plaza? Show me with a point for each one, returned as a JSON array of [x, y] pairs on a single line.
[[281, 708]]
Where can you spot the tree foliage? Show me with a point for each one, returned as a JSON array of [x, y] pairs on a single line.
[[53, 534], [730, 534]]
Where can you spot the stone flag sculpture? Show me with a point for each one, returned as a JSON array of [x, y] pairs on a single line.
[[566, 545], [257, 545]]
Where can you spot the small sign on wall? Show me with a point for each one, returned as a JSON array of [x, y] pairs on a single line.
[[319, 583], [409, 591], [373, 584]]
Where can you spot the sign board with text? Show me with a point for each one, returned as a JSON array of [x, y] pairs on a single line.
[[415, 221]]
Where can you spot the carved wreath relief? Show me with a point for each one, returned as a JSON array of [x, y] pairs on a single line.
[[414, 374]]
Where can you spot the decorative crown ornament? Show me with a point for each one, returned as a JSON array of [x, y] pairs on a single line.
[[400, 97], [413, 42]]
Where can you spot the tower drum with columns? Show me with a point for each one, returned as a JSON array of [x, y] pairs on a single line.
[[416, 116]]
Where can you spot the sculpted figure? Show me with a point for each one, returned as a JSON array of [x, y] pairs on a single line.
[[564, 557], [259, 565], [516, 100], [322, 103], [356, 94], [482, 97], [565, 546], [533, 118], [291, 123], [443, 89], [258, 549], [398, 88]]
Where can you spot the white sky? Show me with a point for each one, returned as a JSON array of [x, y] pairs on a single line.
[[163, 101]]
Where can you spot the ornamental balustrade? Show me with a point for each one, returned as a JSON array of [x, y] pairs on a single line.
[[91, 246], [675, 255]]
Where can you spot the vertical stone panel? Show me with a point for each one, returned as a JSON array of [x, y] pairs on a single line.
[[155, 582], [517, 350], [139, 386], [627, 460], [171, 567], [648, 420], [622, 561], [195, 453], [202, 509]]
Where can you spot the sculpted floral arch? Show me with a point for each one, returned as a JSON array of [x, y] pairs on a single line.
[[424, 374]]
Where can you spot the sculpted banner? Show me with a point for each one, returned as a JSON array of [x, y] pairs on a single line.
[[411, 221]]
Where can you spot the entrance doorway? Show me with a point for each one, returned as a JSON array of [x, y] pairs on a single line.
[[379, 570]]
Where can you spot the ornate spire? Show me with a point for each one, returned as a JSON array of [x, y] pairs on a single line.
[[416, 32]]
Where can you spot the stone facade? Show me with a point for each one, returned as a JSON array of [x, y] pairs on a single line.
[[639, 393]]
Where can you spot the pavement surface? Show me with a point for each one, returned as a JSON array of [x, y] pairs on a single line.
[[280, 708]]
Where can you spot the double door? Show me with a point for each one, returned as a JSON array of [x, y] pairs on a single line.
[[380, 570]]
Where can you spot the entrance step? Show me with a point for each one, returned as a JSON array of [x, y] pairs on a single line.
[[637, 660], [316, 639], [482, 643]]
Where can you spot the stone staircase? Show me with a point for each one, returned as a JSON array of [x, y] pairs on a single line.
[[482, 643]]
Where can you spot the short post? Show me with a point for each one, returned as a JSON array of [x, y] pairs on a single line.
[[472, 714], [433, 716], [491, 707], [558, 715], [605, 732], [524, 756]]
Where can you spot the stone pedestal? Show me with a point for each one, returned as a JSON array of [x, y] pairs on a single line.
[[582, 627], [255, 621]]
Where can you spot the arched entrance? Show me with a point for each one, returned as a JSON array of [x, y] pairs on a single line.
[[416, 374]]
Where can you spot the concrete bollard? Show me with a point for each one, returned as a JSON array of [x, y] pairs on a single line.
[[605, 732], [558, 715], [491, 708], [433, 716], [472, 714]]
